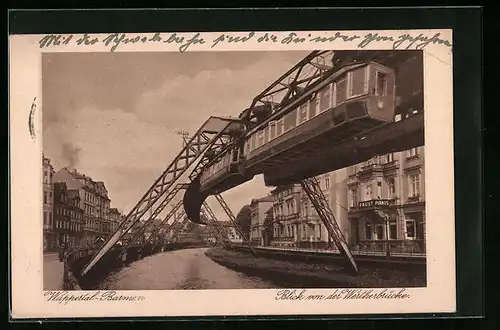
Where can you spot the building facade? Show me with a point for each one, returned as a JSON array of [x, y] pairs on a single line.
[[387, 202], [68, 221], [93, 200], [103, 206], [49, 236], [314, 233], [258, 208], [286, 215], [115, 219]]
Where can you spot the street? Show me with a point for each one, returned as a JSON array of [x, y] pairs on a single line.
[[53, 271], [181, 269]]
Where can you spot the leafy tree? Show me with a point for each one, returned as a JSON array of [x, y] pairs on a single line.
[[244, 219]]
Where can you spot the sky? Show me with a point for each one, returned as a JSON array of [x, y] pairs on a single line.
[[114, 116]]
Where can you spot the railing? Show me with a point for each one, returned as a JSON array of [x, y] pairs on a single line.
[[413, 199], [414, 249]]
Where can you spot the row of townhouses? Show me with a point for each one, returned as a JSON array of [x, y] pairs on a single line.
[[378, 205], [76, 209]]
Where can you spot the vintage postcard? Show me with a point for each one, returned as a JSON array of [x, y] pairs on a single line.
[[232, 174]]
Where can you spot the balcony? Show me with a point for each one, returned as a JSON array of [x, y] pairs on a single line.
[[368, 169], [413, 162], [413, 199], [390, 166]]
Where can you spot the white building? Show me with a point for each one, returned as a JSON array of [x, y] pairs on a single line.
[[258, 208]]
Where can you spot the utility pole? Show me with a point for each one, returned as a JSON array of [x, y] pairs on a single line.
[[184, 135]]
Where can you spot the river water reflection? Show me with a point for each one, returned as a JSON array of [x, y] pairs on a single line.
[[188, 269]]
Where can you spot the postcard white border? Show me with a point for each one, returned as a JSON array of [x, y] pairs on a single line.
[[28, 299]]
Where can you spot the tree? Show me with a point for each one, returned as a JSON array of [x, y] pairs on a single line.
[[244, 219]]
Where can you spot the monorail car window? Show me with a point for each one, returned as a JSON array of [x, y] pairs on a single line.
[[290, 120], [247, 146], [266, 134], [252, 138], [312, 107], [325, 98], [341, 90], [357, 82], [279, 127], [381, 85], [260, 142], [303, 113], [272, 129]]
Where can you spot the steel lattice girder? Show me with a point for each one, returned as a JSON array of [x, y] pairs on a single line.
[[212, 220], [183, 223], [164, 221], [168, 198], [293, 82], [313, 190], [231, 216], [213, 132]]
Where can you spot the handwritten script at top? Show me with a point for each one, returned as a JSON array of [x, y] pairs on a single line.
[[114, 40]]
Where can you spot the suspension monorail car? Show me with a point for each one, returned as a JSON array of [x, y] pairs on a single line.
[[356, 98]]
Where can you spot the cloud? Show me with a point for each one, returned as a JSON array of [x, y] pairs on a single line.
[[186, 101], [126, 136]]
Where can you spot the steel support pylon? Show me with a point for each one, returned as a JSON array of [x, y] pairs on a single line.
[[231, 216], [181, 227], [212, 133], [168, 198], [313, 190], [207, 212], [161, 224]]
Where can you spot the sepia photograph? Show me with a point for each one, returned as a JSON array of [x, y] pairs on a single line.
[[186, 174], [233, 170]]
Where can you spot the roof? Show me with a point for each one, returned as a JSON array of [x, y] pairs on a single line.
[[268, 198], [77, 180]]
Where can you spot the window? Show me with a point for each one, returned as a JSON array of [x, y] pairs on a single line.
[[290, 120], [303, 113], [357, 82], [341, 91], [44, 197], [414, 185], [354, 197], [410, 229], [319, 231], [325, 98], [272, 129], [50, 219], [381, 84], [368, 231], [266, 134], [389, 157], [368, 192], [391, 187], [261, 139], [327, 183], [280, 127], [380, 231], [312, 107], [44, 218], [412, 152], [393, 231]]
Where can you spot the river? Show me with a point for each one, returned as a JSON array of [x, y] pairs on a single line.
[[188, 269]]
